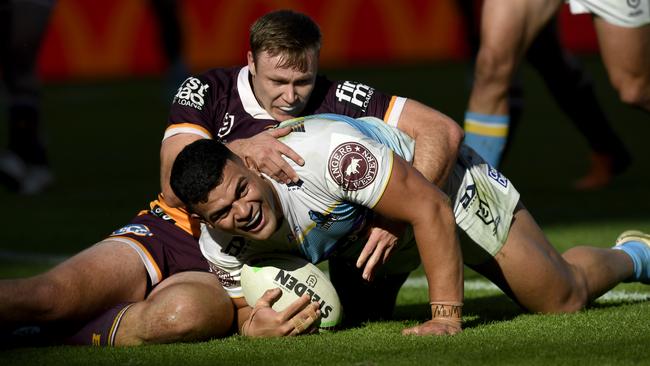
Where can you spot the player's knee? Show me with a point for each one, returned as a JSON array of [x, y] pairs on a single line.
[[573, 297], [47, 299], [493, 68], [193, 315], [635, 92]]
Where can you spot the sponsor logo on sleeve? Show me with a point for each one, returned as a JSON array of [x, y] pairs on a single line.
[[356, 94], [352, 166], [191, 93], [135, 229]]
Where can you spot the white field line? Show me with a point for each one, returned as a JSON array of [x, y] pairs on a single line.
[[411, 282], [483, 285]]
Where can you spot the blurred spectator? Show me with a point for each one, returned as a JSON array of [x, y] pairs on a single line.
[[171, 36], [24, 166], [573, 92]]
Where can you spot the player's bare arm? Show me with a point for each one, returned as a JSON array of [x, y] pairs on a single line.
[[437, 140], [264, 153], [169, 149], [409, 197], [262, 321]]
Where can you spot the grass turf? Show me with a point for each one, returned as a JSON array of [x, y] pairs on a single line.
[[104, 139]]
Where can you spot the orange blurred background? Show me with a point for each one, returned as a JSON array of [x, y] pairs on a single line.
[[119, 38]]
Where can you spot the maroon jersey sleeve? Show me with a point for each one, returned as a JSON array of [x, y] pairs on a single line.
[[354, 99], [198, 103]]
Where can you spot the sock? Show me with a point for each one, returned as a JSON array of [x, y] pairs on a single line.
[[487, 135], [101, 330], [640, 254]]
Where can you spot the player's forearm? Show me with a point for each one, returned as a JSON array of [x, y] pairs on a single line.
[[243, 314], [441, 255]]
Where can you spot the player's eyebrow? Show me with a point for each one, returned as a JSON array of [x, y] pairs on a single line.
[[218, 214]]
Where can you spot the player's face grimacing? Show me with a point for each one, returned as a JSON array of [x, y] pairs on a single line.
[[283, 92], [243, 204]]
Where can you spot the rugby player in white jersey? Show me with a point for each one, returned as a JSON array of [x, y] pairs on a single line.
[[354, 167]]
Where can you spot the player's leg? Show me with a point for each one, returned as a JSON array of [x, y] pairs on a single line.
[[626, 55], [574, 93], [77, 289], [188, 306], [534, 274], [24, 167], [507, 29]]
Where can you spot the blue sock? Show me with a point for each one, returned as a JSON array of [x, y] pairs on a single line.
[[487, 134], [640, 254]]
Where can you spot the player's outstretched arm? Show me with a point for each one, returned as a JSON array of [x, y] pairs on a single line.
[[264, 153], [262, 321], [409, 197], [437, 140]]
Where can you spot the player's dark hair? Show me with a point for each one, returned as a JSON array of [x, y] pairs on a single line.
[[198, 168], [286, 33]]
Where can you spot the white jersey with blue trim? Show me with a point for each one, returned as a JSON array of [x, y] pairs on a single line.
[[348, 163]]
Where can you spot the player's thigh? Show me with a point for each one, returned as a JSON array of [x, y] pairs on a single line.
[[625, 51], [530, 269], [508, 27], [105, 273]]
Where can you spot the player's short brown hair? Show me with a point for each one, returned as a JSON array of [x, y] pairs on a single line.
[[287, 33]]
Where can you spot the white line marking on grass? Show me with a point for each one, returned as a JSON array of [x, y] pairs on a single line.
[[483, 285]]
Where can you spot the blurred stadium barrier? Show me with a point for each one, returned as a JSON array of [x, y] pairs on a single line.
[[119, 38]]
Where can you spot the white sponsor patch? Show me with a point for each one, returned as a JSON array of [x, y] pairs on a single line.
[[135, 229], [357, 94], [191, 93]]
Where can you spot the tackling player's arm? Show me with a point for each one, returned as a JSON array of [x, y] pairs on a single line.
[[437, 140], [262, 153], [169, 149], [409, 197]]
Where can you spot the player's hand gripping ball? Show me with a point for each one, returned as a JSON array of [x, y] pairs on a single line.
[[295, 276]]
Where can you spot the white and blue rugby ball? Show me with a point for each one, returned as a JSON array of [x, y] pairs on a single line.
[[295, 276]]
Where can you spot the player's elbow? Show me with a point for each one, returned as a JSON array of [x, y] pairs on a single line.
[[456, 135]]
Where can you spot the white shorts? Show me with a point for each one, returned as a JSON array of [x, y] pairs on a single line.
[[484, 202], [624, 13]]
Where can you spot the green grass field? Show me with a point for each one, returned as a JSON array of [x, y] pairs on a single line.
[[104, 138]]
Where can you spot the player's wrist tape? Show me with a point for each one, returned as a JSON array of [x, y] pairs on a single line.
[[446, 310]]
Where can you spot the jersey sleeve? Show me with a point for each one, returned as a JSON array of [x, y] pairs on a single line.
[[220, 250], [194, 106], [355, 99]]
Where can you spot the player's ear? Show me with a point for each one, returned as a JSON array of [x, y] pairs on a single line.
[[251, 62]]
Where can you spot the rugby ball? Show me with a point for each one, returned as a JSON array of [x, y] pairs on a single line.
[[295, 276]]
